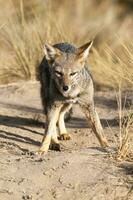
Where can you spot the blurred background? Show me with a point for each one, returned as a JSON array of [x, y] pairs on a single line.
[[26, 25]]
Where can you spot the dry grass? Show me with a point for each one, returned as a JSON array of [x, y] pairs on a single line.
[[26, 25], [125, 129]]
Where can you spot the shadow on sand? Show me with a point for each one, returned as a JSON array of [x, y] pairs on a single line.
[[27, 124]]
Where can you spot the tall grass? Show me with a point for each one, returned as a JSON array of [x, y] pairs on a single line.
[[27, 25], [125, 145]]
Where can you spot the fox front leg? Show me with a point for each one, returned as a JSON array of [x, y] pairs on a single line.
[[51, 120], [93, 118]]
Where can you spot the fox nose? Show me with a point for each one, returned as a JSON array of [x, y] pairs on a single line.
[[65, 87]]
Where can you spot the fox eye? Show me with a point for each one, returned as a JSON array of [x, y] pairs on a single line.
[[58, 73], [73, 73]]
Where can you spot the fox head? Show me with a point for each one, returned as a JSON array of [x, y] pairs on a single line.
[[65, 68]]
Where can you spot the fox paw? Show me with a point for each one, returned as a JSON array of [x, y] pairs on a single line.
[[42, 150], [105, 144], [64, 136], [55, 146]]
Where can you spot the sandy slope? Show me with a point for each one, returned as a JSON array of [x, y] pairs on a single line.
[[81, 171]]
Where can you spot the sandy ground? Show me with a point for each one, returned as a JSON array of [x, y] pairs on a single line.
[[81, 171]]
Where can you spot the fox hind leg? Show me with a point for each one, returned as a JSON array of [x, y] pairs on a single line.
[[63, 135], [55, 145]]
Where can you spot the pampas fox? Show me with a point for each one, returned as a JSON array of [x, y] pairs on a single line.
[[65, 80]]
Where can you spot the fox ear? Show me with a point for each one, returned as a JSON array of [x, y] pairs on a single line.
[[51, 52], [83, 51]]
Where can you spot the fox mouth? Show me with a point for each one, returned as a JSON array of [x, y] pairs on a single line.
[[65, 94], [68, 93]]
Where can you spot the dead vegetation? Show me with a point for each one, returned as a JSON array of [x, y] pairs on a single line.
[[125, 130], [26, 26]]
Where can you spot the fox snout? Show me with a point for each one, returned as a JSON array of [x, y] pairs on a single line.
[[66, 83], [65, 87]]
